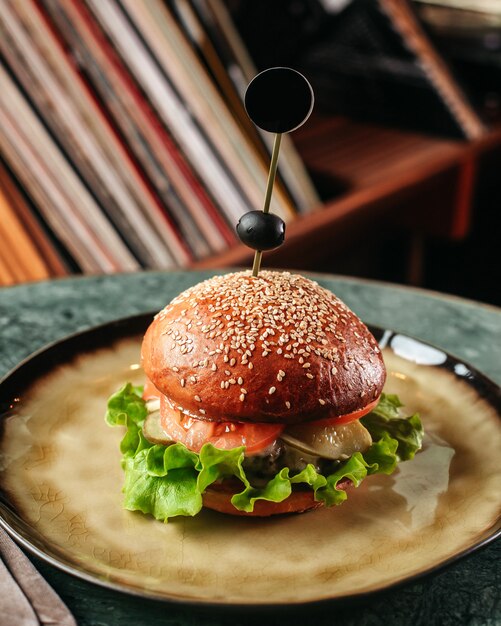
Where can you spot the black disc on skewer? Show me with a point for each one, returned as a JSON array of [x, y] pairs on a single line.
[[279, 99]]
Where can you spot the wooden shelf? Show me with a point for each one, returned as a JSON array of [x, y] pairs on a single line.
[[422, 183]]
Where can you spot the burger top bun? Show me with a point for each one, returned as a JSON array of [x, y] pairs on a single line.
[[272, 348]]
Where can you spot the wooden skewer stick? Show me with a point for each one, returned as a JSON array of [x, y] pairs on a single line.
[[267, 199], [278, 100]]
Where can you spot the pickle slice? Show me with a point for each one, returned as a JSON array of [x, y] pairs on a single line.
[[153, 432], [328, 441]]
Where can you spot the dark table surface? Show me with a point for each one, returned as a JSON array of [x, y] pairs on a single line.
[[467, 592]]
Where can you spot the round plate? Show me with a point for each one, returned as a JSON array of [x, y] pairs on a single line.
[[60, 486]]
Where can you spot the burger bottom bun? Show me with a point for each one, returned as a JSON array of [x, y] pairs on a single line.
[[218, 497]]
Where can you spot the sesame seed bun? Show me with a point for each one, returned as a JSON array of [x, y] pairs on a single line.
[[272, 348]]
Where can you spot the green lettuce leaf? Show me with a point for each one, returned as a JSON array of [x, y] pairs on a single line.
[[127, 408], [174, 493], [355, 468], [166, 481], [389, 406], [276, 490], [215, 464], [382, 457], [384, 421], [126, 404]]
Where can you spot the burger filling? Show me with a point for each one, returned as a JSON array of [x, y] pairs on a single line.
[[322, 445], [170, 458]]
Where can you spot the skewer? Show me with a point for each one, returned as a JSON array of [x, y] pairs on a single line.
[[278, 100], [267, 199]]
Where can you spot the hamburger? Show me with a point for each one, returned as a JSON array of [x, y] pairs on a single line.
[[263, 395]]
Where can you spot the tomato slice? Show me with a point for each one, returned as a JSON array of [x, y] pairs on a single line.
[[150, 392], [224, 435], [348, 417], [193, 433]]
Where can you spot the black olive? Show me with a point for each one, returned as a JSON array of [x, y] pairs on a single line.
[[261, 231]]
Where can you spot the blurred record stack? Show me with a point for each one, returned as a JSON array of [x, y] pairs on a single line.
[[124, 141]]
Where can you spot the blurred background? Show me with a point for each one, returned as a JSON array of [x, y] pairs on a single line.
[[125, 144]]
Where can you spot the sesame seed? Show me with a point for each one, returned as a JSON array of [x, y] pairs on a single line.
[[182, 382], [222, 384], [213, 367], [334, 369], [202, 411], [242, 397], [227, 372], [198, 398], [240, 380], [322, 402], [287, 404], [306, 365], [309, 375], [250, 366], [272, 390], [244, 391], [232, 362], [175, 369]]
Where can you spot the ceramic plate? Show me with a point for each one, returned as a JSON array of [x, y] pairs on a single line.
[[60, 485]]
